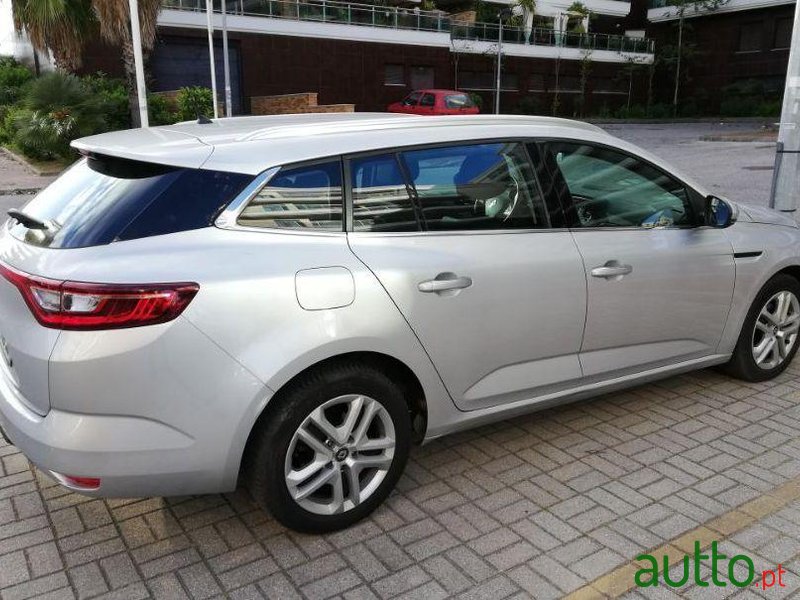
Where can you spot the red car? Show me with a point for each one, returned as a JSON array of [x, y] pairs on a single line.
[[435, 102]]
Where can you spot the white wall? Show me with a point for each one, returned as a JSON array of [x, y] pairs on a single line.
[[18, 46]]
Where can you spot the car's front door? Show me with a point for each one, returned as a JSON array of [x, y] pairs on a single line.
[[659, 284], [463, 241]]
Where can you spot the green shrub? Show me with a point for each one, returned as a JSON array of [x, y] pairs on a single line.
[[160, 111], [748, 98], [660, 111], [194, 101], [477, 99], [114, 96], [13, 77], [770, 108], [636, 111], [529, 105], [54, 110], [13, 116], [66, 98], [46, 136]]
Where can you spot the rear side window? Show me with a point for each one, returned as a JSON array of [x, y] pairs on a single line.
[[479, 186], [101, 200], [307, 197], [458, 101]]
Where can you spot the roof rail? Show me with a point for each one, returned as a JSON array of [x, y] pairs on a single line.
[[389, 123]]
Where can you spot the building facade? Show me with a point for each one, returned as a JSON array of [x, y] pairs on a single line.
[[371, 55], [738, 52]]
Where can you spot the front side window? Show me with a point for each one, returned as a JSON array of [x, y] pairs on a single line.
[[381, 201], [306, 197], [428, 100], [411, 99], [612, 189], [479, 186]]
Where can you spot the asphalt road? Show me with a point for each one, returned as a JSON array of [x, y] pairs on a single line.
[[741, 171]]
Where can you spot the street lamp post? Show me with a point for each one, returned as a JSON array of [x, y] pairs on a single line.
[[503, 14], [786, 179], [136, 42], [226, 61], [209, 10]]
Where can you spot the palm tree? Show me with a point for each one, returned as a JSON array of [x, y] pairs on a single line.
[[59, 26], [63, 26], [115, 26]]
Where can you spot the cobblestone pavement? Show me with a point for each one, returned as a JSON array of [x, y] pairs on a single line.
[[554, 504]]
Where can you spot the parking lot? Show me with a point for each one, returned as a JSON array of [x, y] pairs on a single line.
[[557, 503]]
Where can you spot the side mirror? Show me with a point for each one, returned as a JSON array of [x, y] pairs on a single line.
[[719, 213]]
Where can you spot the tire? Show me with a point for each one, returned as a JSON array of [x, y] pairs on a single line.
[[283, 455], [744, 363]]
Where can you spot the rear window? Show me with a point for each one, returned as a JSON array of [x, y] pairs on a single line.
[[458, 101], [101, 200]]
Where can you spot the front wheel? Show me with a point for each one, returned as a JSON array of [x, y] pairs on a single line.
[[332, 449], [769, 337]]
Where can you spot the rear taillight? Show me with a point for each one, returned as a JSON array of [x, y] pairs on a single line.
[[73, 305]]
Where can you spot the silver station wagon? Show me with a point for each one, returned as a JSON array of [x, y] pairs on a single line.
[[291, 302]]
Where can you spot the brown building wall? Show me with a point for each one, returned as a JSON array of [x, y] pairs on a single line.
[[719, 59], [354, 72]]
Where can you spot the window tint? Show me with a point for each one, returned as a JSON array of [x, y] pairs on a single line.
[[380, 196], [612, 189], [458, 101], [307, 197], [428, 100], [102, 199], [482, 186]]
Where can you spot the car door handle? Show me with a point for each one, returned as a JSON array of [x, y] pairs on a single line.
[[612, 269], [444, 282]]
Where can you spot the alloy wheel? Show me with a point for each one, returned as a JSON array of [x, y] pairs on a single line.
[[776, 328], [340, 454]]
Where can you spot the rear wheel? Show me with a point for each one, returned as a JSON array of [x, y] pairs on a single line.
[[332, 449], [769, 337]]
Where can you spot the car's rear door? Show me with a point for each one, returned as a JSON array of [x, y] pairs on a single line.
[[462, 239], [659, 284]]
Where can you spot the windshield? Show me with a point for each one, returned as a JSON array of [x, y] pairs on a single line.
[[101, 200]]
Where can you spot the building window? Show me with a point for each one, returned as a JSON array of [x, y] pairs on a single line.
[[750, 37], [485, 80], [394, 75], [536, 83], [422, 78], [783, 33]]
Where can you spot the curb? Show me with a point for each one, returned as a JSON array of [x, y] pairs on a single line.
[[35, 170]]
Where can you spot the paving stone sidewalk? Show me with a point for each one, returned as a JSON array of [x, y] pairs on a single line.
[[534, 508]]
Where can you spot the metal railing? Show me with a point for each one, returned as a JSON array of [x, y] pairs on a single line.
[[328, 11], [369, 15], [489, 32]]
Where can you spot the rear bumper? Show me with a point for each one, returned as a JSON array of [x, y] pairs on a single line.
[[133, 448]]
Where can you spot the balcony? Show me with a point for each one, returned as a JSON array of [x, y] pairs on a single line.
[[328, 11], [489, 32], [335, 19]]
